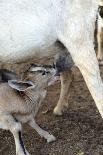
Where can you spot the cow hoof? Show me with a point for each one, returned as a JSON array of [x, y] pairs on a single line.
[[51, 138], [57, 111]]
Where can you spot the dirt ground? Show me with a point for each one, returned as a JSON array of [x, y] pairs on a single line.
[[79, 131]]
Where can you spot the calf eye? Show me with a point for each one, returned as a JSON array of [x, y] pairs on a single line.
[[44, 73]]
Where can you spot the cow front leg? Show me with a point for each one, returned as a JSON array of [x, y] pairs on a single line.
[[66, 81]]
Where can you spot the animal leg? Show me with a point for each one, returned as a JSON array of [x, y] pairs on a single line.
[[9, 123], [41, 132], [66, 81], [85, 59]]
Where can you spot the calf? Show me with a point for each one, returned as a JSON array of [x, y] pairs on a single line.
[[21, 99]]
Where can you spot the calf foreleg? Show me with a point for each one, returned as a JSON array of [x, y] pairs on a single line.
[[41, 132]]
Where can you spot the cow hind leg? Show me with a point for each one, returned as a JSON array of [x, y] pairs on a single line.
[[85, 59], [66, 81]]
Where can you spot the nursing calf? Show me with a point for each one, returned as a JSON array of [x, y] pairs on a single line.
[[20, 101]]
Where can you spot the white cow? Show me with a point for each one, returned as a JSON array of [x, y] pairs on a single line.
[[30, 28]]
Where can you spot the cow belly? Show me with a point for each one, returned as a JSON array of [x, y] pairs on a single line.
[[31, 53], [25, 34], [24, 41]]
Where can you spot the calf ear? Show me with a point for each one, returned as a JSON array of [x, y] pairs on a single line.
[[20, 85]]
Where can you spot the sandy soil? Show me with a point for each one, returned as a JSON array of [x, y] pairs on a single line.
[[79, 131]]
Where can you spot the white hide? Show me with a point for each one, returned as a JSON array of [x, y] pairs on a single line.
[[30, 28]]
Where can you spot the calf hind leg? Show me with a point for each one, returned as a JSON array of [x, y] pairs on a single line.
[[9, 123]]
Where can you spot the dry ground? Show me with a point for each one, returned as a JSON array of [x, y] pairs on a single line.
[[79, 131]]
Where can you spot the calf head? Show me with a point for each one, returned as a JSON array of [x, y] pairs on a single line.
[[35, 76], [41, 75]]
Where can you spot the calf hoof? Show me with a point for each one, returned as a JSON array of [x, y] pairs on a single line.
[[57, 111], [51, 138]]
